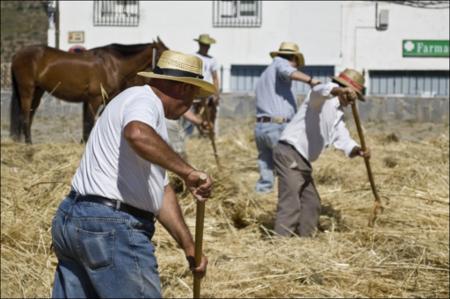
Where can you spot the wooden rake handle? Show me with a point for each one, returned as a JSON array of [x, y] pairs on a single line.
[[205, 116], [377, 203], [199, 224]]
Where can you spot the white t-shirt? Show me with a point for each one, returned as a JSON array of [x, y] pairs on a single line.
[[318, 123], [110, 167], [210, 65]]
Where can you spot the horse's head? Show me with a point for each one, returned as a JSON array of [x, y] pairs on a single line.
[[135, 80], [160, 47]]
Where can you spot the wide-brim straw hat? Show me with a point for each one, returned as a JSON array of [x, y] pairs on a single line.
[[205, 39], [180, 67], [290, 48], [353, 79]]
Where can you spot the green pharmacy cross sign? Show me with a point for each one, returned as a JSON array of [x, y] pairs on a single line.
[[425, 48]]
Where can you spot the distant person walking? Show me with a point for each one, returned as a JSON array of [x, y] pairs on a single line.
[[276, 105], [210, 74], [318, 124]]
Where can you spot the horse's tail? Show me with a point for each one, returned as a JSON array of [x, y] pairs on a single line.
[[15, 125]]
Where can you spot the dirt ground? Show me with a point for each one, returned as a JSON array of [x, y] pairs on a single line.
[[405, 255]]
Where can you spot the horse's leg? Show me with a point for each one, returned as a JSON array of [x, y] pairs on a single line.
[[16, 117], [89, 112], [26, 99], [38, 92]]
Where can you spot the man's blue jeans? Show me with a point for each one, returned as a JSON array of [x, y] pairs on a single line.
[[266, 137], [103, 253]]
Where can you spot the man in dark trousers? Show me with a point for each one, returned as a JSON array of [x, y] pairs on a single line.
[[318, 124]]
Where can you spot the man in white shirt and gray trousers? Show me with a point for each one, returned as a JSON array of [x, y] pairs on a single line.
[[102, 230], [318, 124]]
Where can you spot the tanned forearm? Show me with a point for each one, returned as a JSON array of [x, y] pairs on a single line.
[[171, 217], [190, 116], [215, 78], [150, 146], [336, 91], [299, 76]]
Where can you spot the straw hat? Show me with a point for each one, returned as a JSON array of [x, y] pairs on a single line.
[[180, 67], [353, 79], [205, 39], [290, 48]]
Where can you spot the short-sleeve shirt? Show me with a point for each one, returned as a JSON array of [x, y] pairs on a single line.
[[318, 124], [110, 167], [210, 66], [274, 96]]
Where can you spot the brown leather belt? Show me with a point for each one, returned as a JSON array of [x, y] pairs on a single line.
[[267, 119], [112, 203]]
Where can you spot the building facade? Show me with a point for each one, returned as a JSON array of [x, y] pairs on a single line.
[[402, 49]]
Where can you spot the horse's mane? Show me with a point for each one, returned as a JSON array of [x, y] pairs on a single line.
[[127, 50]]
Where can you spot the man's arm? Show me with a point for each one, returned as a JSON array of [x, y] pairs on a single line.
[[302, 77], [171, 217], [357, 151], [196, 120], [192, 117], [150, 146], [216, 83], [346, 95], [343, 141]]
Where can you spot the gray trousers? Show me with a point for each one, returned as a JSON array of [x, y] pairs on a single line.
[[298, 208]]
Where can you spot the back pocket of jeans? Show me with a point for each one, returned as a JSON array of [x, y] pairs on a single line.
[[96, 248]]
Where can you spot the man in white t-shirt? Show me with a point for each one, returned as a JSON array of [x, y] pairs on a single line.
[[210, 65], [210, 74], [318, 124], [102, 230]]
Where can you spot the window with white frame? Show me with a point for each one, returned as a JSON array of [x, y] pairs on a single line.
[[230, 13], [116, 13]]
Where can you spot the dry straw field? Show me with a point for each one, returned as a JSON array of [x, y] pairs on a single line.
[[406, 254]]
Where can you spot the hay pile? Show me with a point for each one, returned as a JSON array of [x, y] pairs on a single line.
[[405, 255]]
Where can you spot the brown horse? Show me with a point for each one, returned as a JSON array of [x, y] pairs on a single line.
[[92, 77]]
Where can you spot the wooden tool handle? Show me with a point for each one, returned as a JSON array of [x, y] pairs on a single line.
[[377, 204], [199, 222], [211, 134]]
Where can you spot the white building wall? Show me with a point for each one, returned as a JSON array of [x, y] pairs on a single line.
[[328, 32], [382, 50]]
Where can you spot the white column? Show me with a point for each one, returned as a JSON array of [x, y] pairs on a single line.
[[51, 38]]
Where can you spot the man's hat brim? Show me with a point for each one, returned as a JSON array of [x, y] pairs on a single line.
[[300, 58], [347, 84], [209, 42], [205, 88]]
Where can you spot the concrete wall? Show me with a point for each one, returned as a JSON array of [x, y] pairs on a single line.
[[243, 106], [374, 109], [368, 48], [23, 23]]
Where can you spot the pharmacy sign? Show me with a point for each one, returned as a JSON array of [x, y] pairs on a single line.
[[425, 48]]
